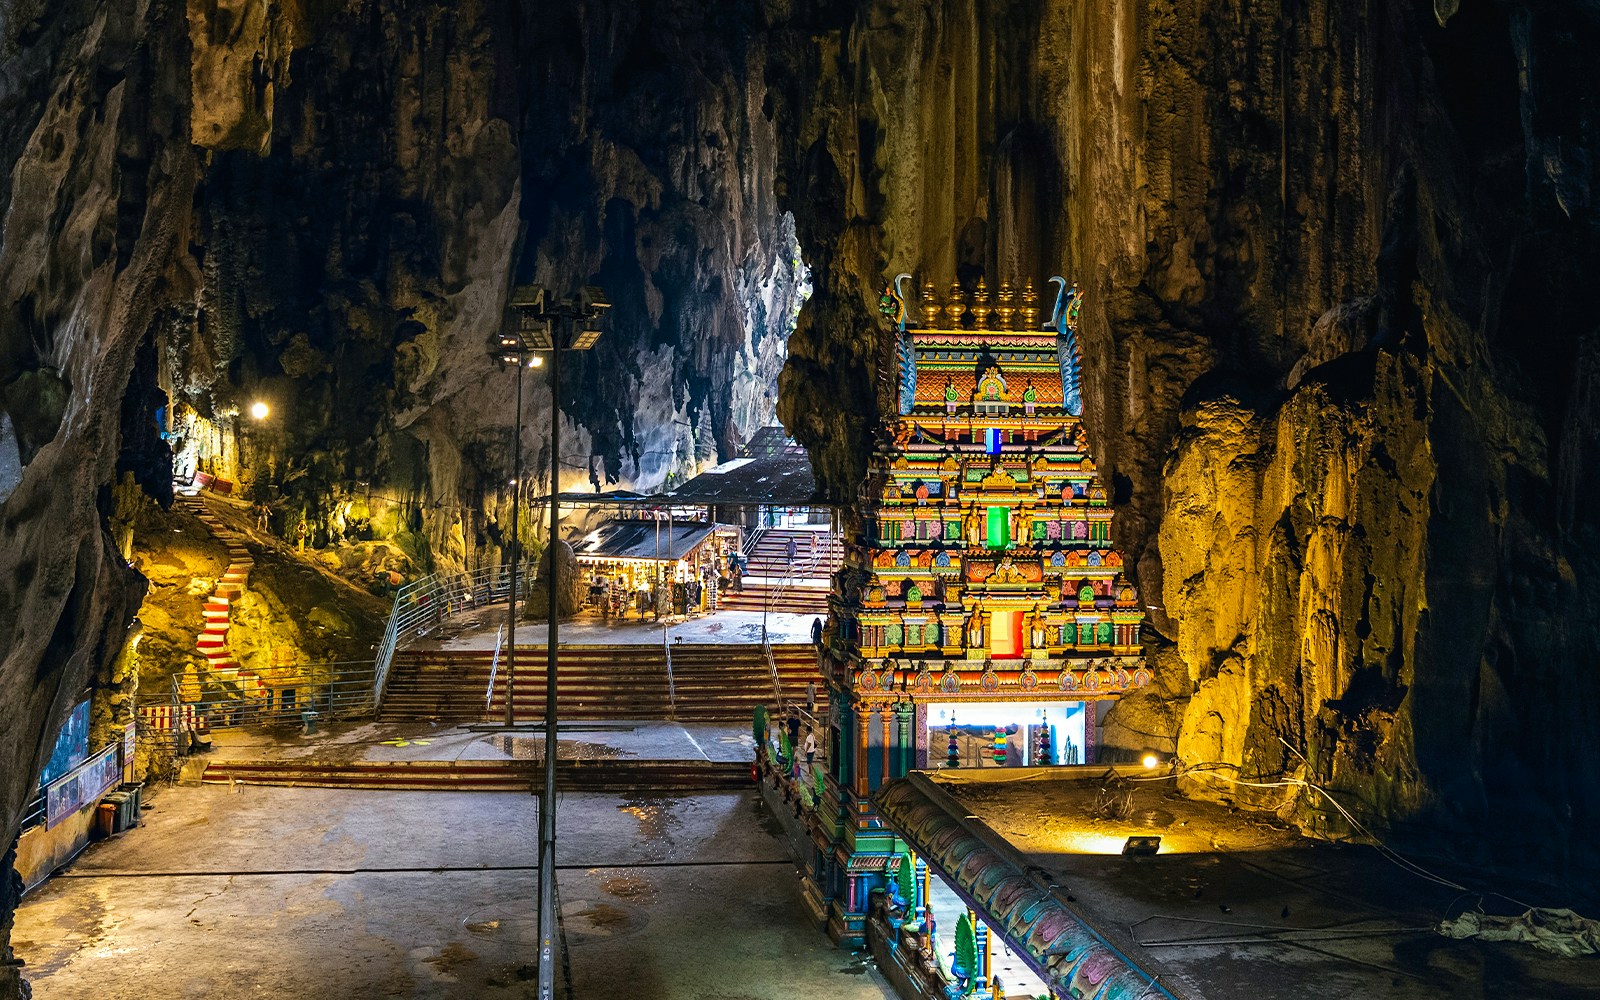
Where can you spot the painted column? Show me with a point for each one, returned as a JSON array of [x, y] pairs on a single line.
[[890, 750], [921, 873], [902, 718], [980, 930], [919, 753], [1091, 712], [859, 785]]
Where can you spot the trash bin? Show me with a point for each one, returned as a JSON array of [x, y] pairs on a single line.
[[309, 720], [105, 820]]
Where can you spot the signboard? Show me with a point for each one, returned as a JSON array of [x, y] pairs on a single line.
[[72, 745], [130, 736], [83, 786]]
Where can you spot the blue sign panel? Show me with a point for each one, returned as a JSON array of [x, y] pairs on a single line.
[[72, 745]]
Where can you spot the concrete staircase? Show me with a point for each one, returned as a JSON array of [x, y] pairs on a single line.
[[797, 664], [217, 613], [720, 683], [810, 576], [593, 683], [711, 683]]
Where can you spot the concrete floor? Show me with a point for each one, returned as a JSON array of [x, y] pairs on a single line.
[[317, 893], [415, 740]]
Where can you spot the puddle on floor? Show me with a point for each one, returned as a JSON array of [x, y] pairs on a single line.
[[532, 748], [630, 887]]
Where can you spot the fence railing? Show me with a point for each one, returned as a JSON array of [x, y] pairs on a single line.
[[422, 606], [494, 667], [273, 695], [33, 812]]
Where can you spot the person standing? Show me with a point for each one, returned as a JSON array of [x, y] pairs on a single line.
[[811, 697], [811, 748], [816, 633], [789, 549]]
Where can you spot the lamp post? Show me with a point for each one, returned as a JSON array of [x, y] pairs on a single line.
[[569, 324], [512, 349]]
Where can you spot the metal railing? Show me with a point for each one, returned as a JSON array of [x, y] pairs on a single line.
[[772, 668], [274, 695], [494, 667], [672, 687], [33, 812], [422, 606]]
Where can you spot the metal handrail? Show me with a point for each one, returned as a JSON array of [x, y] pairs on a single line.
[[423, 604], [342, 689], [672, 688], [33, 812], [772, 667], [494, 667]]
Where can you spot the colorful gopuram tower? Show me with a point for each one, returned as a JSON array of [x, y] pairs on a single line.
[[982, 617]]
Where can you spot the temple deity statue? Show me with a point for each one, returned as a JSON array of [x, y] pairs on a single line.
[[1022, 530], [972, 526]]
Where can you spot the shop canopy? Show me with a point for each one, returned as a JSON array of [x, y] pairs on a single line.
[[641, 540]]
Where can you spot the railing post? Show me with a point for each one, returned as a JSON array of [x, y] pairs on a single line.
[[178, 741], [772, 667], [672, 693]]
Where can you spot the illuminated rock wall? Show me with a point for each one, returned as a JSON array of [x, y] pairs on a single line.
[[322, 206], [1340, 370], [1334, 258]]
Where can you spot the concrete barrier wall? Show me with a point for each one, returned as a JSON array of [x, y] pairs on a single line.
[[40, 851]]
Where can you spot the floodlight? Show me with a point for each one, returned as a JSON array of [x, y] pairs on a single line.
[[1141, 847]]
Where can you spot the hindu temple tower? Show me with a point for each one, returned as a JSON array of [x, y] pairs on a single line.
[[981, 617]]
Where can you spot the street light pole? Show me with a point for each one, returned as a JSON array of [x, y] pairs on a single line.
[[570, 324], [516, 544], [547, 804]]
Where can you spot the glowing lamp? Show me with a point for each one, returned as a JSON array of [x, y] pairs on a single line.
[[535, 361], [1150, 762], [1141, 847], [259, 410]]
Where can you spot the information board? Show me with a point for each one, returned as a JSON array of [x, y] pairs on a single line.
[[98, 775], [72, 745]]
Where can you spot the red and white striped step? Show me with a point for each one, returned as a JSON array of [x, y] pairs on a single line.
[[217, 614]]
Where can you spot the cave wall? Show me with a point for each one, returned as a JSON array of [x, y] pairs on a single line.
[[1338, 373], [423, 157], [322, 206]]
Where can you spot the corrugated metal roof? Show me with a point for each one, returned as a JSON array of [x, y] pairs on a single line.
[[641, 540], [772, 470]]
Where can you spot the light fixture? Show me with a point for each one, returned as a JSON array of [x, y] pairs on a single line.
[[259, 410], [1150, 762], [536, 361], [1141, 847]]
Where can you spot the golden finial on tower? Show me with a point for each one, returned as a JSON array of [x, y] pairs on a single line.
[[930, 305], [1029, 314], [980, 305], [955, 305], [1006, 309]]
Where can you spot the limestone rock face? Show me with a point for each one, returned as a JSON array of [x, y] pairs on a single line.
[[1335, 367], [322, 207], [571, 589], [1338, 363]]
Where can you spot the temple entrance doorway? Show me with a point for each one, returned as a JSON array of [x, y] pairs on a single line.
[[1007, 734]]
